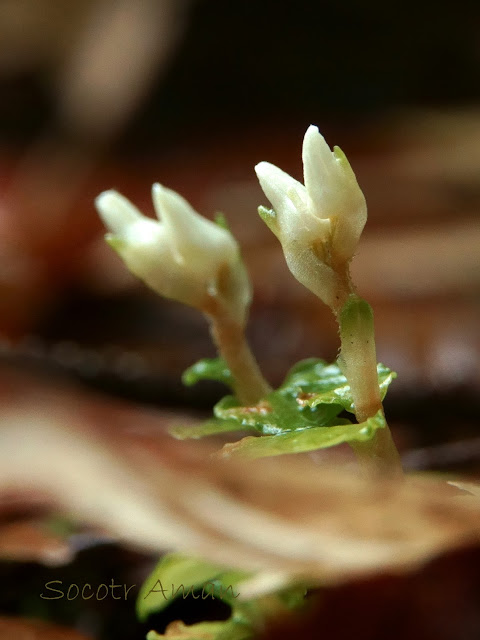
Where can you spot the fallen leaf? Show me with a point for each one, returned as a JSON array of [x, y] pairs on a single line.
[[113, 467]]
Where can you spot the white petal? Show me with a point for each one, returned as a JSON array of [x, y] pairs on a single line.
[[189, 232], [170, 207], [278, 185], [146, 233], [117, 212], [316, 154], [319, 168], [200, 247]]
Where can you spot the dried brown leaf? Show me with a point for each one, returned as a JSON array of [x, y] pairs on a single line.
[[115, 469]]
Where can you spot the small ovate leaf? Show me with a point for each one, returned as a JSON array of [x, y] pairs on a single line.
[[317, 383], [207, 428], [303, 441], [259, 416], [277, 413], [295, 414], [313, 375], [208, 369], [249, 615], [173, 577], [178, 576], [313, 395], [385, 378]]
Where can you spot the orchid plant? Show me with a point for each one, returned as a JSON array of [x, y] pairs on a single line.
[[193, 260]]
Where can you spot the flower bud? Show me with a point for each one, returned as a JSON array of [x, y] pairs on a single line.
[[319, 223], [182, 256]]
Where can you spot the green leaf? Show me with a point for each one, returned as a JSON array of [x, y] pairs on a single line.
[[248, 615], [173, 577], [177, 576], [259, 416], [305, 440], [277, 413], [207, 428], [341, 394], [218, 630], [315, 383], [313, 375], [312, 395], [208, 369]]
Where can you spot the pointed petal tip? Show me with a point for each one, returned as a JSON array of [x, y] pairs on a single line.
[[165, 196], [262, 168], [116, 211], [312, 129], [160, 197], [269, 171], [107, 206], [314, 137], [169, 205], [157, 190], [105, 199]]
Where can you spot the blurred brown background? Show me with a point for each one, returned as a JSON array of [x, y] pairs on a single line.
[[192, 93]]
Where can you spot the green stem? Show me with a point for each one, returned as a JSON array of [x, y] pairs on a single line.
[[229, 337], [379, 454], [358, 360]]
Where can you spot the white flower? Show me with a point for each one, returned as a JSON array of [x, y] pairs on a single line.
[[318, 224], [182, 256]]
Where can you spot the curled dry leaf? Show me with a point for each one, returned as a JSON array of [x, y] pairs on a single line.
[[32, 630], [114, 467]]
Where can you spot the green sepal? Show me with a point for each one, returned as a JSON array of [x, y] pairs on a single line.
[[343, 161], [113, 241], [221, 220], [303, 441], [208, 369], [269, 217]]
